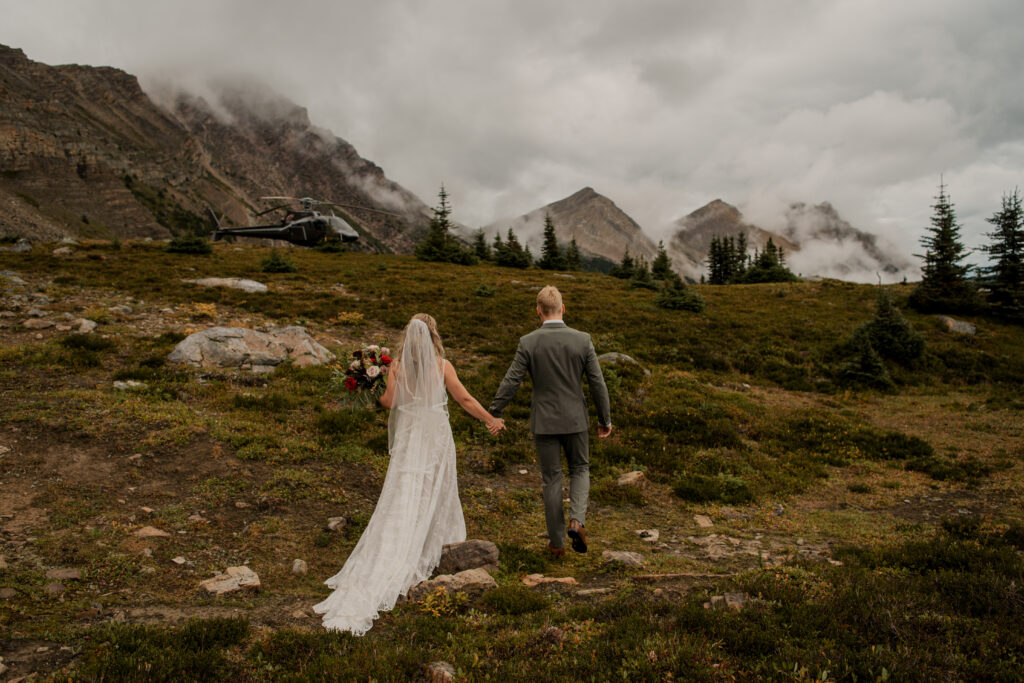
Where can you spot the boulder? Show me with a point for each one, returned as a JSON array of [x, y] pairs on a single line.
[[233, 579], [957, 326], [633, 479], [83, 326], [703, 521], [21, 246], [63, 251], [299, 567], [250, 286], [150, 532], [64, 574], [733, 601], [440, 672], [616, 358], [469, 581], [472, 554], [239, 347], [623, 558], [11, 278], [648, 535], [37, 323]]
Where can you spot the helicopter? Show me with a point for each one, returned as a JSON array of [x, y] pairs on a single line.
[[305, 227]]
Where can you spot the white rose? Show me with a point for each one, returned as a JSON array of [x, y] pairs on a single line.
[[355, 365], [372, 371], [385, 351], [373, 347]]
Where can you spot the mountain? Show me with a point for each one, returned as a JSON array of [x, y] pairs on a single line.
[[84, 151], [817, 241], [691, 239], [599, 227]]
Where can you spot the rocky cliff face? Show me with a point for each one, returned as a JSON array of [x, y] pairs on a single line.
[[599, 227], [84, 151]]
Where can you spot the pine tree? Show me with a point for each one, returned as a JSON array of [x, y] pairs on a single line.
[[891, 335], [1005, 279], [573, 260], [551, 255], [511, 254], [480, 247], [661, 267], [767, 266], [439, 244], [625, 269], [676, 296], [642, 276], [739, 256], [945, 286]]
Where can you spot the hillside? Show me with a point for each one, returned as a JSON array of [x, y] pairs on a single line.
[[849, 532], [85, 152]]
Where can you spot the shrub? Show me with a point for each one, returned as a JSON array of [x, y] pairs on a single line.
[[676, 296], [701, 488], [189, 244], [485, 290], [514, 600], [517, 560], [86, 342], [606, 491], [861, 366], [276, 263]]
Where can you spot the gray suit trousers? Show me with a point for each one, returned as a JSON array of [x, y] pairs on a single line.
[[549, 457]]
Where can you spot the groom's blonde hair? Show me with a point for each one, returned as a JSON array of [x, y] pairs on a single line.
[[549, 300]]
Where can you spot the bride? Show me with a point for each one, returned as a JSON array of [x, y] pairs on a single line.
[[418, 510]]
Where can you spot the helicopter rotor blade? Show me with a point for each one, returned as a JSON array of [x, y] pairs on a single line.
[[274, 208], [363, 208]]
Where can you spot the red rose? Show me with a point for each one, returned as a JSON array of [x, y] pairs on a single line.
[[386, 360], [350, 383]]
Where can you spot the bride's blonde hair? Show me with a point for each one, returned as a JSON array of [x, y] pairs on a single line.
[[435, 338]]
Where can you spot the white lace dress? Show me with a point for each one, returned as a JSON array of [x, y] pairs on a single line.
[[417, 513]]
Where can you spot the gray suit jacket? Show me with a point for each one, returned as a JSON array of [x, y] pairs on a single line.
[[557, 357]]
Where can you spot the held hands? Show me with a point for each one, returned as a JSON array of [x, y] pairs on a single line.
[[495, 425]]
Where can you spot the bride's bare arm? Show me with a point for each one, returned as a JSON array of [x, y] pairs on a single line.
[[388, 397], [468, 403]]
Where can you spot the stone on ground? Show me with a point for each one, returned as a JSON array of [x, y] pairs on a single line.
[[703, 521], [633, 479], [299, 567], [150, 532], [648, 535], [440, 672], [250, 286], [471, 554], [238, 347], [615, 357], [234, 579], [958, 326], [623, 557], [531, 580], [64, 574], [468, 581]]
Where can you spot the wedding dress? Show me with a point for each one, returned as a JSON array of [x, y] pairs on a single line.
[[418, 510]]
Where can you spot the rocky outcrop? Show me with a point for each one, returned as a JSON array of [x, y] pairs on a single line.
[[469, 581], [238, 347], [233, 580], [457, 557], [243, 284]]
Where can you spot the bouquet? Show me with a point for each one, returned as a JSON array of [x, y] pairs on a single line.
[[363, 379]]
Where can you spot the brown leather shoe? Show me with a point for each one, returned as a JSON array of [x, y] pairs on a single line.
[[578, 536], [555, 552]]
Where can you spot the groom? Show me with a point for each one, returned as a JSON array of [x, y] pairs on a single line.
[[556, 357]]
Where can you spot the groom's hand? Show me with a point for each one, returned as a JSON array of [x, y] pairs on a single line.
[[495, 426], [604, 432]]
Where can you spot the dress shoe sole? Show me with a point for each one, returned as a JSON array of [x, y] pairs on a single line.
[[578, 544]]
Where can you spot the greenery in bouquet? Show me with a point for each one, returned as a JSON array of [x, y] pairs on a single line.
[[362, 381]]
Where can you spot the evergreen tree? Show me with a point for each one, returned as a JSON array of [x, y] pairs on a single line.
[[766, 266], [1005, 278], [511, 254], [642, 276], [891, 335], [551, 255], [862, 366], [625, 269], [676, 296], [480, 247], [945, 286], [661, 267], [572, 256], [439, 244], [739, 256]]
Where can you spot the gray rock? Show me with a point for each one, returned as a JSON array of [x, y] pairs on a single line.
[[12, 278], [150, 532], [68, 241], [250, 286], [233, 580], [733, 601], [54, 589], [299, 567], [472, 554], [469, 581], [7, 593], [623, 557], [335, 523], [37, 323], [129, 384], [616, 358], [703, 521], [440, 672], [36, 313], [648, 535], [238, 347], [21, 246], [83, 326], [957, 326], [63, 251], [64, 574], [633, 479]]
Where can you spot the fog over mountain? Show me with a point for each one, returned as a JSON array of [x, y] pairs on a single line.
[[663, 106]]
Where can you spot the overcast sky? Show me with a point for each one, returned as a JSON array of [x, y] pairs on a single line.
[[661, 105]]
